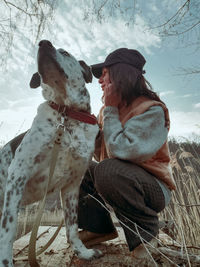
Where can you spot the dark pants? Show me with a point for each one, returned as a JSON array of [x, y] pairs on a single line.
[[133, 193]]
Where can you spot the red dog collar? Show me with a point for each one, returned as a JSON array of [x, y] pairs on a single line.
[[82, 116]]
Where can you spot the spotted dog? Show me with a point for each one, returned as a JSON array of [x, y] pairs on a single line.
[[24, 172]]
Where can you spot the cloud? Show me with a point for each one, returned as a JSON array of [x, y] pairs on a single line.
[[161, 94], [15, 121], [93, 41], [187, 95], [184, 123], [197, 105], [85, 40], [90, 42]]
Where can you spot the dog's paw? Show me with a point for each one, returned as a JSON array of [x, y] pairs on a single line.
[[97, 254], [89, 254]]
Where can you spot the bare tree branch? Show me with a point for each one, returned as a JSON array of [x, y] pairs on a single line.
[[9, 4], [21, 16], [172, 17], [182, 23], [188, 71]]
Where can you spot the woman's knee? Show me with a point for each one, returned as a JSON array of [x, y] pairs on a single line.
[[104, 173]]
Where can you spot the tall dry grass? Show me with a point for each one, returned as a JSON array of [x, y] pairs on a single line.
[[184, 209], [26, 219]]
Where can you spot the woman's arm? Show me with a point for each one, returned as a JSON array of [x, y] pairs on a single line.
[[139, 139]]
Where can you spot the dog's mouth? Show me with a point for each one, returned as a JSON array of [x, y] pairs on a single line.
[[49, 69]]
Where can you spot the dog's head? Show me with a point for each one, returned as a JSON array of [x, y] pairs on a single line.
[[62, 77]]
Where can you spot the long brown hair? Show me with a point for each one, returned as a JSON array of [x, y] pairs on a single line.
[[130, 83]]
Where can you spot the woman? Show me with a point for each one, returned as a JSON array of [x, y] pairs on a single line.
[[133, 174]]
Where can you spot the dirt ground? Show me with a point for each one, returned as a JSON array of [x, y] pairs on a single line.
[[115, 252]]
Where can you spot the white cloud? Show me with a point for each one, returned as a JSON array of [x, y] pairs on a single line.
[[197, 105], [18, 117], [184, 123], [93, 41], [187, 95], [161, 94]]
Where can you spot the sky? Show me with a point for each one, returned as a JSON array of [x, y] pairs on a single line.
[[91, 41]]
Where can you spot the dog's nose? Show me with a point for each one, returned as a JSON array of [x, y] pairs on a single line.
[[46, 43]]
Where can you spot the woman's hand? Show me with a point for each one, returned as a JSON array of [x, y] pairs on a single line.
[[110, 97]]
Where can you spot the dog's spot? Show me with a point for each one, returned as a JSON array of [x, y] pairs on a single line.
[[3, 172], [50, 121], [8, 195], [39, 129], [70, 131], [4, 223], [21, 184], [11, 219], [88, 107], [41, 179], [39, 158], [5, 262], [8, 160], [84, 92], [75, 137]]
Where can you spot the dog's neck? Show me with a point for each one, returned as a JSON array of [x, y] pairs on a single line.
[[82, 116], [76, 98]]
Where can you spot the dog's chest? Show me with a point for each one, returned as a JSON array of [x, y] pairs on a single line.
[[72, 160]]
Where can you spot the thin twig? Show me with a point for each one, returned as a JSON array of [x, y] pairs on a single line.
[[171, 18], [191, 205], [176, 246], [17, 7]]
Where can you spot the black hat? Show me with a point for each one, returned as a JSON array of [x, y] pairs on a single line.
[[121, 55]]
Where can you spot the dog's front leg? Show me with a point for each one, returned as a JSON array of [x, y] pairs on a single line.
[[12, 198], [70, 208]]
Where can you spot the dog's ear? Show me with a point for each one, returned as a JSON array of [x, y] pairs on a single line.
[[35, 80], [87, 73]]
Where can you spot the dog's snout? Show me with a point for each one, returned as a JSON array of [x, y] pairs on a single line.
[[45, 43]]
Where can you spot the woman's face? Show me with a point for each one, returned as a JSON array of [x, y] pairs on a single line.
[[104, 80]]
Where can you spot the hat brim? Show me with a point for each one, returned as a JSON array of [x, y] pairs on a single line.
[[97, 69]]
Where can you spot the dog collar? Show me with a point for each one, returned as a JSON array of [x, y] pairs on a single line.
[[82, 116]]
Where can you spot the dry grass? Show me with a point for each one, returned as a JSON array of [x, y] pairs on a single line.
[[26, 219], [184, 208]]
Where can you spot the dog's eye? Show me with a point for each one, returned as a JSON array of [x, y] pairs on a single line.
[[65, 53]]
